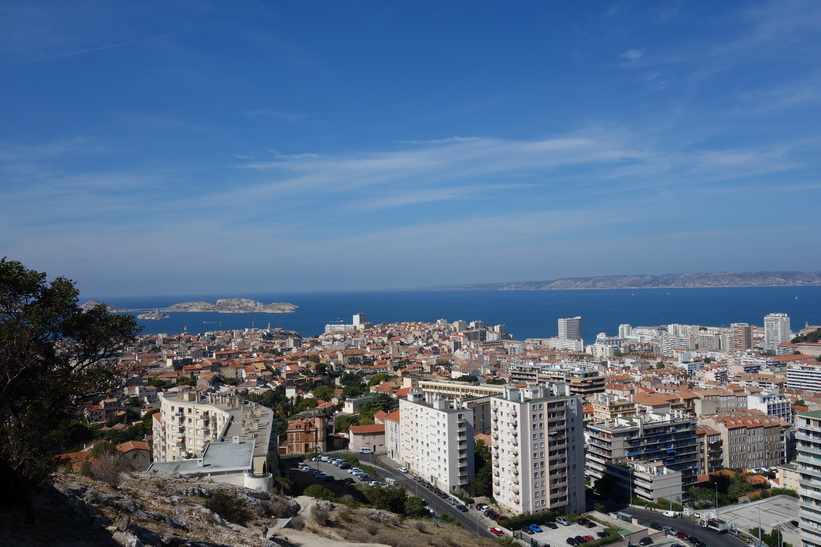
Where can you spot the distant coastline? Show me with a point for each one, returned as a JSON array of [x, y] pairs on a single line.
[[663, 281]]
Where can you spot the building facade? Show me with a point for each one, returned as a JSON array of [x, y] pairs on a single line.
[[570, 328], [436, 440], [808, 463], [537, 450], [750, 438], [666, 438], [776, 330]]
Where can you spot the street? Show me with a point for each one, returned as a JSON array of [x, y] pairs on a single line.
[[688, 526]]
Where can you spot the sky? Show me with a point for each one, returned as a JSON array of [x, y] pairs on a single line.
[[207, 147]]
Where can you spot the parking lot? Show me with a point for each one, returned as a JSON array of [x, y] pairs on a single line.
[[560, 535]]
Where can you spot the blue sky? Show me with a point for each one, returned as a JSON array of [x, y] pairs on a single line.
[[210, 147]]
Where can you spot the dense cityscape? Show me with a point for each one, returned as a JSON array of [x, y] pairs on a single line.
[[689, 418]]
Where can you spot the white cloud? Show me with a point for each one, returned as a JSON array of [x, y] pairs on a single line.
[[632, 54]]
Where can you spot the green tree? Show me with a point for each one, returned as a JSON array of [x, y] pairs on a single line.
[[738, 488], [344, 422], [377, 379], [323, 393], [51, 353], [482, 484], [415, 507]]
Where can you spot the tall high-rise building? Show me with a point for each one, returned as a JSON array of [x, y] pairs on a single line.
[[776, 330], [570, 328], [742, 336], [808, 463], [538, 450]]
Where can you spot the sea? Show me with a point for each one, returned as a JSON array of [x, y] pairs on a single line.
[[525, 314]]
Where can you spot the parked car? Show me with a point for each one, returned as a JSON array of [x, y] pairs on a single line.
[[669, 530], [589, 524], [551, 525], [572, 542], [403, 469], [697, 542], [499, 518], [481, 506], [588, 538], [496, 531], [671, 514], [462, 508], [682, 535], [602, 534], [535, 528], [646, 541], [365, 450], [563, 521], [582, 521]]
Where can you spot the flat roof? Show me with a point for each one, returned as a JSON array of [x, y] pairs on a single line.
[[218, 457]]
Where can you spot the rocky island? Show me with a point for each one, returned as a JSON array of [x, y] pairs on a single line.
[[233, 305]]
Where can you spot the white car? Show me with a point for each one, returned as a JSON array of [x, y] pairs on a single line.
[[403, 469], [671, 514]]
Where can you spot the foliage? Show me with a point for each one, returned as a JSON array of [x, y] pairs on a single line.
[[415, 507], [381, 401], [496, 382], [287, 485], [468, 378], [517, 522], [504, 540], [814, 337], [108, 467], [779, 492], [230, 507], [600, 507], [444, 517], [377, 379], [320, 492], [739, 487], [607, 487], [323, 393], [388, 499], [773, 539], [158, 383], [51, 353], [482, 484], [344, 422], [103, 448], [306, 404]]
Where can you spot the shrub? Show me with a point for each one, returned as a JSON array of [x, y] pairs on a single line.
[[230, 507], [108, 468], [321, 515]]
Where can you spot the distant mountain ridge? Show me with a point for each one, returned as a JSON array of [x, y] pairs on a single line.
[[663, 281]]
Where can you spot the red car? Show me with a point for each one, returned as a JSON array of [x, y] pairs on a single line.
[[496, 531], [587, 538], [682, 535]]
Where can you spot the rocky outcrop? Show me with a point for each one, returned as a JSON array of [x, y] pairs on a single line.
[[233, 305]]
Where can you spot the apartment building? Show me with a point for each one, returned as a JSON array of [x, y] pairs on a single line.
[[537, 450], [804, 375], [609, 407], [750, 438], [584, 380], [776, 330], [771, 403], [648, 481], [570, 328], [808, 463], [436, 440], [666, 438], [217, 436]]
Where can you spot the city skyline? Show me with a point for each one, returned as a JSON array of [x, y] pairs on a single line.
[[170, 148]]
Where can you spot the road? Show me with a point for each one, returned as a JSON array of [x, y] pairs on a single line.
[[470, 520], [688, 526]]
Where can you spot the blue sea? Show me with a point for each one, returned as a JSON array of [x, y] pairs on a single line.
[[525, 313]]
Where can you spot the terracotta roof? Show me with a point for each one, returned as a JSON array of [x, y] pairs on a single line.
[[367, 429]]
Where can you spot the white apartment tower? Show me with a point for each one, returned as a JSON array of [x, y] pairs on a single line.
[[538, 450], [808, 463], [776, 330], [570, 328], [436, 440]]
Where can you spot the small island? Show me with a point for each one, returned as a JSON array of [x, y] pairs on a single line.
[[233, 305], [155, 315]]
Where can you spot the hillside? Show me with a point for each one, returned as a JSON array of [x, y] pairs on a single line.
[[156, 509], [663, 281]]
